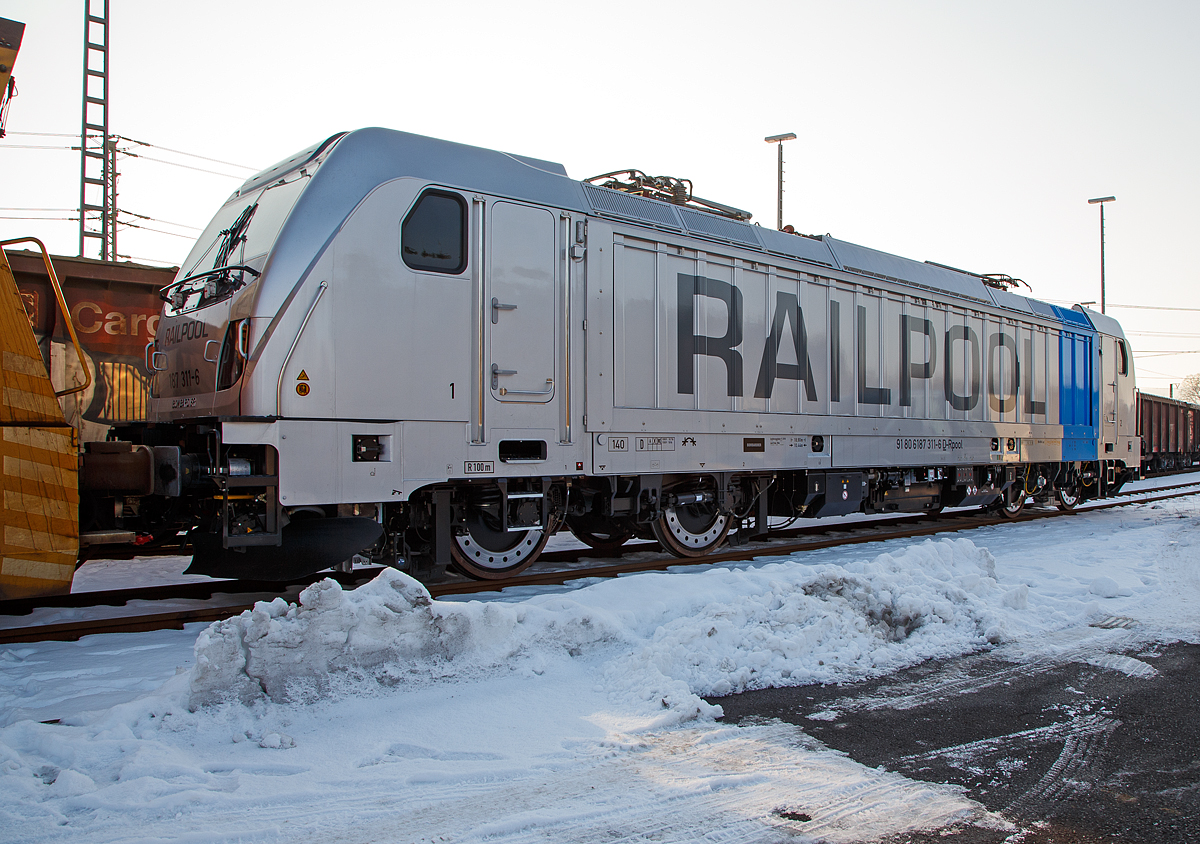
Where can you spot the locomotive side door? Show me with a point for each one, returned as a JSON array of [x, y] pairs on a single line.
[[519, 296], [1109, 400], [1120, 421]]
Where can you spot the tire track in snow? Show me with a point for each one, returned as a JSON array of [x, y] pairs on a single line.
[[986, 670], [993, 744], [1071, 773]]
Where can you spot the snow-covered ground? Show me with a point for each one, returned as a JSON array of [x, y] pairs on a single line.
[[569, 713]]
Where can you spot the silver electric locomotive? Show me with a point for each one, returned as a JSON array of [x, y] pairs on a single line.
[[427, 352]]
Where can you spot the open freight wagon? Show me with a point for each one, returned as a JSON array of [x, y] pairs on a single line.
[[72, 346]]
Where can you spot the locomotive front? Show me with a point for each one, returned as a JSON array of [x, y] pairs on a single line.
[[219, 323], [292, 359], [199, 355]]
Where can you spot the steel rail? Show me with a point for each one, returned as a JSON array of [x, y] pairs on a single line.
[[863, 532], [854, 534]]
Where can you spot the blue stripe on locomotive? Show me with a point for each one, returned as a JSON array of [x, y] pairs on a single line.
[[1078, 386]]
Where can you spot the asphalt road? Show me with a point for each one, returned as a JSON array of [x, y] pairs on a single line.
[[1068, 752]]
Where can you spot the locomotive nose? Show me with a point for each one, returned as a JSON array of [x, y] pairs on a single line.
[[184, 359], [196, 358]]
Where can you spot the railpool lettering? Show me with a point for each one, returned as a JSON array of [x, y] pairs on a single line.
[[787, 309], [866, 394], [962, 360], [908, 368], [690, 345], [188, 330], [963, 334]]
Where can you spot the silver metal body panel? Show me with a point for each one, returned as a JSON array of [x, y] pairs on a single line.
[[663, 342], [849, 377], [334, 185]]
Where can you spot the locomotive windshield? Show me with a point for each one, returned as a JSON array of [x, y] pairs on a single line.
[[231, 251]]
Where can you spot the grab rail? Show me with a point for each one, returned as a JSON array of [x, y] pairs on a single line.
[[62, 303], [279, 384]]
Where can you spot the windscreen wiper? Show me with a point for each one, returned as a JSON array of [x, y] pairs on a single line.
[[235, 234], [168, 292]]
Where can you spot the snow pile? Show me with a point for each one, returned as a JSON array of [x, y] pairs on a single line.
[[388, 632], [525, 717], [792, 625], [664, 639]]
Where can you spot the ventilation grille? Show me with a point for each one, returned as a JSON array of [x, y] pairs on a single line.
[[607, 201], [699, 222]]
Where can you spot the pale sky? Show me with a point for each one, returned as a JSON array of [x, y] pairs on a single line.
[[967, 133]]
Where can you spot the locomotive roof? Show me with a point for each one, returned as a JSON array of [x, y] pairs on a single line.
[[359, 161]]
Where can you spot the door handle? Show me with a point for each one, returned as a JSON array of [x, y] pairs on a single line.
[[498, 306], [497, 372], [211, 344], [549, 389]]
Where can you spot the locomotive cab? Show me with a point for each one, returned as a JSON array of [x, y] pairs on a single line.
[[1118, 440], [218, 315], [209, 314]]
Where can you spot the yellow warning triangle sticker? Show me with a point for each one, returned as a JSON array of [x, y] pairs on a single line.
[[303, 376]]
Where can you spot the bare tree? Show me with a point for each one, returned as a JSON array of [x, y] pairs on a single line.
[[1189, 390]]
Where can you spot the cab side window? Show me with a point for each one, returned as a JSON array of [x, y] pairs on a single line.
[[1122, 358], [433, 236]]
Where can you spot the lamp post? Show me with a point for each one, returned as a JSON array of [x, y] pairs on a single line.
[[779, 139], [1100, 201]]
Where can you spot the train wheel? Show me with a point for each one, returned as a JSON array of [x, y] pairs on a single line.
[[488, 552], [691, 530], [1014, 502], [1069, 498], [606, 538]]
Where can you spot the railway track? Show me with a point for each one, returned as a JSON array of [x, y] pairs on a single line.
[[122, 611]]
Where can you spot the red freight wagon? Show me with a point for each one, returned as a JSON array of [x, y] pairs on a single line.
[[1169, 431], [115, 308]]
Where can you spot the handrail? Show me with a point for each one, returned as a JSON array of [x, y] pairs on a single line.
[[478, 248], [62, 303], [565, 219], [282, 369]]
